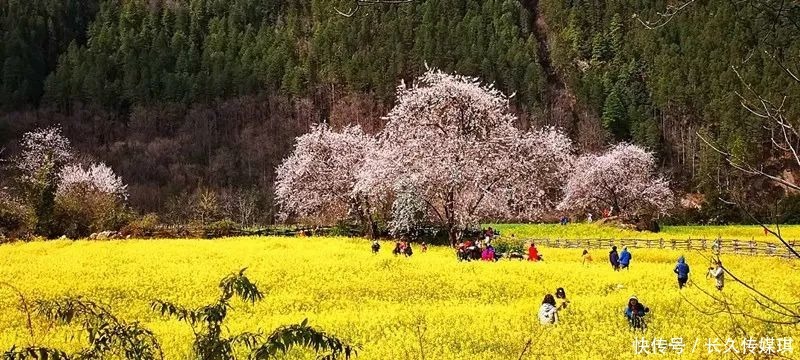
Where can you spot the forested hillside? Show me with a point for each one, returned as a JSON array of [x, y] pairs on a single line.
[[660, 85], [187, 97]]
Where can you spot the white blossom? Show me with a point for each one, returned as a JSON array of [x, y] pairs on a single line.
[[44, 152], [98, 177], [623, 178], [316, 180]]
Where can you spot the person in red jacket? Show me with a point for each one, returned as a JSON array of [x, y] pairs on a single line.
[[533, 253]]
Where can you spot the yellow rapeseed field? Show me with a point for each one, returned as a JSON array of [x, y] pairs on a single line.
[[582, 230], [428, 306]]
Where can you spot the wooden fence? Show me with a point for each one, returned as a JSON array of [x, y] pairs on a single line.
[[185, 231], [729, 246]]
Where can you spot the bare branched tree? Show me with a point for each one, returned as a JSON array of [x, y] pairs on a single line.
[[771, 111], [663, 18], [358, 4]]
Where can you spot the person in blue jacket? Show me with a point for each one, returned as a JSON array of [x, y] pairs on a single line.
[[624, 258], [682, 269]]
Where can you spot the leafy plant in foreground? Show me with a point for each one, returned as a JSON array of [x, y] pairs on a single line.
[[107, 335], [210, 344]]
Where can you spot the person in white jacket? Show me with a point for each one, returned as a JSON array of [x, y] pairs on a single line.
[[718, 273], [548, 312]]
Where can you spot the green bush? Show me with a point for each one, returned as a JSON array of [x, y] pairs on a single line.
[[345, 229], [143, 226], [79, 213], [789, 210], [221, 228], [17, 220]]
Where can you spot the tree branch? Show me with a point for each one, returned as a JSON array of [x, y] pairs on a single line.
[[359, 3]]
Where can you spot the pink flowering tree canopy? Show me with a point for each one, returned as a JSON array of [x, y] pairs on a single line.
[[623, 179], [98, 178], [450, 153], [315, 182]]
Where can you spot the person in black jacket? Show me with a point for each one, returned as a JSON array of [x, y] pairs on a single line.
[[407, 250], [613, 257], [375, 246]]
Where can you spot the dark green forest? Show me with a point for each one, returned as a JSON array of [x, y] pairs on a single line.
[[187, 97]]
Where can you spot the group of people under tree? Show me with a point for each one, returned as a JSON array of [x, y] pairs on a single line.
[[479, 249], [401, 247]]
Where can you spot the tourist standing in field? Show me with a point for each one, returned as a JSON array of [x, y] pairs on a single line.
[[635, 312], [488, 253], [587, 258], [375, 246], [561, 299], [533, 253], [548, 312], [589, 218], [718, 273], [424, 247], [613, 257], [682, 270], [624, 258]]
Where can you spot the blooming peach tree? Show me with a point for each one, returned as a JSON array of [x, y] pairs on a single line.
[[97, 177], [88, 200], [623, 178], [450, 147], [44, 153], [315, 182]]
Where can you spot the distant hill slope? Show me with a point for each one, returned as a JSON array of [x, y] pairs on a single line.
[[187, 93]]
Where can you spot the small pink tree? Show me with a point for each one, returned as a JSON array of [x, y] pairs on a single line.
[[623, 178], [449, 147], [316, 181]]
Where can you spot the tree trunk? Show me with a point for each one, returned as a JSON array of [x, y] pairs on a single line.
[[452, 234]]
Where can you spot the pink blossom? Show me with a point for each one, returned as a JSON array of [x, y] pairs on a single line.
[[623, 178], [315, 182], [450, 145]]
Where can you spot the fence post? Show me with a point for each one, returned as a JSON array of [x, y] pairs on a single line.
[[661, 243]]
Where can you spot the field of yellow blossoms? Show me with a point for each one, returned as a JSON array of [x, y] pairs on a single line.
[[428, 306]]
